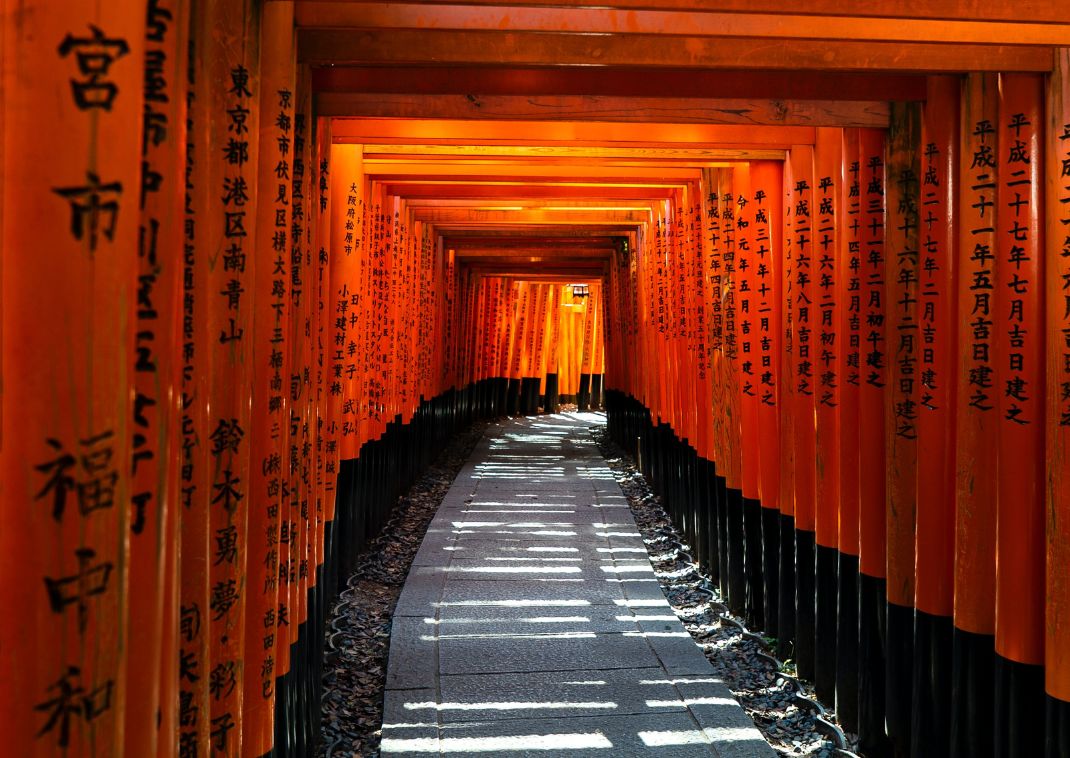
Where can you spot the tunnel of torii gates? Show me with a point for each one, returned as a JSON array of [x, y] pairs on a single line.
[[260, 260]]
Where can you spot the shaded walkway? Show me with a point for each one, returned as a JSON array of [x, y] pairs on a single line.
[[532, 622]]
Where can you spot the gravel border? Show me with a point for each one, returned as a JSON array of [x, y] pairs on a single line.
[[359, 622], [784, 708]]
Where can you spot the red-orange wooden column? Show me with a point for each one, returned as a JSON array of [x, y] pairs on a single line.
[[731, 405], [976, 421], [901, 409], [152, 662], [265, 632], [936, 344], [848, 363], [767, 179], [1019, 326], [747, 343], [72, 90], [786, 419], [872, 556], [826, 347], [1057, 273], [807, 351]]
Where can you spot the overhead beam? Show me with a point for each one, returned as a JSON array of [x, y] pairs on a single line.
[[602, 108], [525, 190], [511, 171], [469, 217], [1022, 30], [700, 155], [495, 48], [571, 133], [1048, 11], [619, 82]]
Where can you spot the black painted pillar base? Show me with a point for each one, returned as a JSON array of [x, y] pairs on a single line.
[[597, 392], [771, 569], [752, 557], [825, 623], [805, 603], [711, 548], [1020, 705], [786, 612], [973, 659], [899, 676], [737, 581], [1058, 721], [872, 656], [583, 398], [512, 402], [721, 514], [847, 643], [931, 716], [553, 402]]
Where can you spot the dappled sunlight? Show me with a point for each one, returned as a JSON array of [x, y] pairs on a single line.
[[548, 742], [519, 706]]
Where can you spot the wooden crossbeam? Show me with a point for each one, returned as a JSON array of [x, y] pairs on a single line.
[[603, 108]]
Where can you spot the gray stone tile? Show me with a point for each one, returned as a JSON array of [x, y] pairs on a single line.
[[542, 651]]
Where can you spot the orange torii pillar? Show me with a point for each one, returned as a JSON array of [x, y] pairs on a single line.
[[267, 641], [976, 422], [1057, 271], [746, 266], [806, 355], [72, 90], [872, 554], [151, 721], [848, 363], [786, 418], [935, 536], [1019, 350], [901, 410], [827, 225], [767, 179]]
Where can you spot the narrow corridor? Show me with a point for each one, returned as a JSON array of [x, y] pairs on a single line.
[[532, 621]]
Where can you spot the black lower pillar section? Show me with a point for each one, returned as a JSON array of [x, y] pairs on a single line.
[[583, 398], [931, 716], [553, 402], [872, 653], [805, 603], [721, 514], [972, 686], [596, 391], [825, 623], [786, 613], [847, 643], [752, 557], [737, 580], [712, 549], [1058, 721], [529, 396], [899, 677], [771, 569], [1020, 706], [512, 400]]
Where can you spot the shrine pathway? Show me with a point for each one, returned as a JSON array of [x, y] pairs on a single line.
[[531, 622]]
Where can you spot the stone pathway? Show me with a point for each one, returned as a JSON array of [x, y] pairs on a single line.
[[531, 622]]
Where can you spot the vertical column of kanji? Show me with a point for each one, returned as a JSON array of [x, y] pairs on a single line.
[[806, 354], [828, 168], [232, 297], [1057, 273], [849, 321], [901, 409], [935, 538], [539, 369], [747, 344], [786, 417], [553, 358], [732, 405], [72, 99], [767, 179], [269, 439], [704, 473], [1019, 324], [326, 428], [872, 560], [152, 662], [976, 422], [346, 257], [301, 395]]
